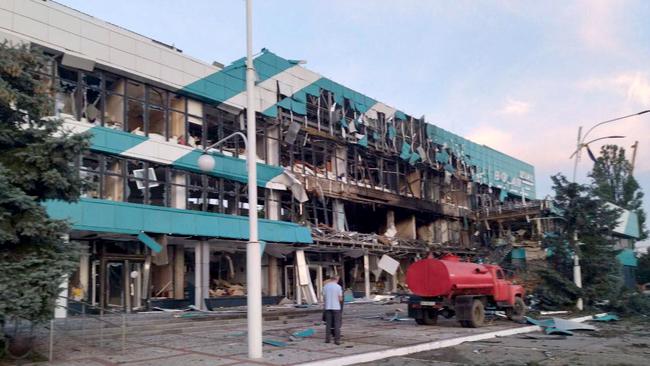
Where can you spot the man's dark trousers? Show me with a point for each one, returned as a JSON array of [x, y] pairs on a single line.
[[333, 325]]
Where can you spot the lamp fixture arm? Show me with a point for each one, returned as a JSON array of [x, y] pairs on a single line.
[[220, 142], [584, 137]]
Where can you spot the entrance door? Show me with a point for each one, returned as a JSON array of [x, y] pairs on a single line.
[[124, 284]]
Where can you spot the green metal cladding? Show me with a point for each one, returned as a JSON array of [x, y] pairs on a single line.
[[126, 144], [490, 167], [130, 218]]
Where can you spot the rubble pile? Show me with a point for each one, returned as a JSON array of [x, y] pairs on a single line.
[[225, 288]]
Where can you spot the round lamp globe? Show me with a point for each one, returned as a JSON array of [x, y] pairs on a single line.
[[206, 163]]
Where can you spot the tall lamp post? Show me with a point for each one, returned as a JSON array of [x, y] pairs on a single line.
[[577, 272], [253, 251]]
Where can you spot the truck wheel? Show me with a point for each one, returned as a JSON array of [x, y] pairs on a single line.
[[517, 311], [429, 316], [477, 314]]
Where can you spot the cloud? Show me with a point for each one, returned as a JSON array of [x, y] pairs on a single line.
[[634, 86], [597, 24], [491, 136], [515, 108]]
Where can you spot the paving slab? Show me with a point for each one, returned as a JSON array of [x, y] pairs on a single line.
[[213, 343], [192, 359]]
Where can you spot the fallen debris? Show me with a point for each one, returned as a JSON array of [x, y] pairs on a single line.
[[559, 326], [304, 333], [557, 312], [605, 318], [542, 337], [563, 324], [274, 343]]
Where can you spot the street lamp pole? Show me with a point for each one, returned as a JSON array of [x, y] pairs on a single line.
[[577, 272], [253, 252]]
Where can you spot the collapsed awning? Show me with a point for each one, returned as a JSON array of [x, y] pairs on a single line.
[[150, 242]]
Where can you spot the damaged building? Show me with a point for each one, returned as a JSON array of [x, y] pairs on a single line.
[[347, 185]]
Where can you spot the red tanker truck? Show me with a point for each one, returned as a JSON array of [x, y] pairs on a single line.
[[450, 287]]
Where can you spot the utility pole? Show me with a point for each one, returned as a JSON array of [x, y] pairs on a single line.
[[578, 150], [577, 271], [634, 147]]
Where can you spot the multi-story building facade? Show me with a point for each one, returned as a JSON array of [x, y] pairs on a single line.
[[342, 178]]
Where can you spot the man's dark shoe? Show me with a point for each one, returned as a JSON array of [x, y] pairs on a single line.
[[338, 343], [328, 341]]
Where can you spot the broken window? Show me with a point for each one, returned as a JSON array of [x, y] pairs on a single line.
[[177, 119], [195, 123], [157, 123], [90, 169], [113, 187], [157, 185], [114, 104], [195, 192], [213, 195], [68, 97], [178, 189], [136, 181], [213, 126], [92, 98]]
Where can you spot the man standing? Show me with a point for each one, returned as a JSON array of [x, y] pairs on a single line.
[[333, 296]]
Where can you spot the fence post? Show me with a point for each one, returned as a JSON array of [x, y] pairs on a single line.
[[83, 321], [101, 327], [50, 356], [123, 333]]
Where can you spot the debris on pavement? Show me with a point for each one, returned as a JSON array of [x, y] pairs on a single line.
[[605, 318], [559, 326], [556, 312], [304, 333], [564, 324], [274, 343]]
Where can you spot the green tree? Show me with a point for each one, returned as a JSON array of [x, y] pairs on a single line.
[[588, 223], [36, 164], [643, 269], [613, 182]]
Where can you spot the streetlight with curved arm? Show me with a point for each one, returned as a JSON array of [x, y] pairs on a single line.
[[581, 138], [577, 272], [586, 144]]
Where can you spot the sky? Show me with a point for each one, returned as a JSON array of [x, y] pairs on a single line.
[[518, 76]]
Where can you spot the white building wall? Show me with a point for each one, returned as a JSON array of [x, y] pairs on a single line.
[[66, 30]]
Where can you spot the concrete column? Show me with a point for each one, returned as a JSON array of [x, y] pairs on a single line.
[[319, 285], [61, 311], [338, 215], [273, 275], [273, 213], [201, 273], [298, 291], [340, 164], [273, 146], [394, 281], [179, 271], [273, 205], [84, 274], [366, 274]]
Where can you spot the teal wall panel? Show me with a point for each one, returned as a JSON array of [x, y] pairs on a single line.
[[122, 217], [231, 80], [229, 167], [627, 257], [113, 141], [117, 142]]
